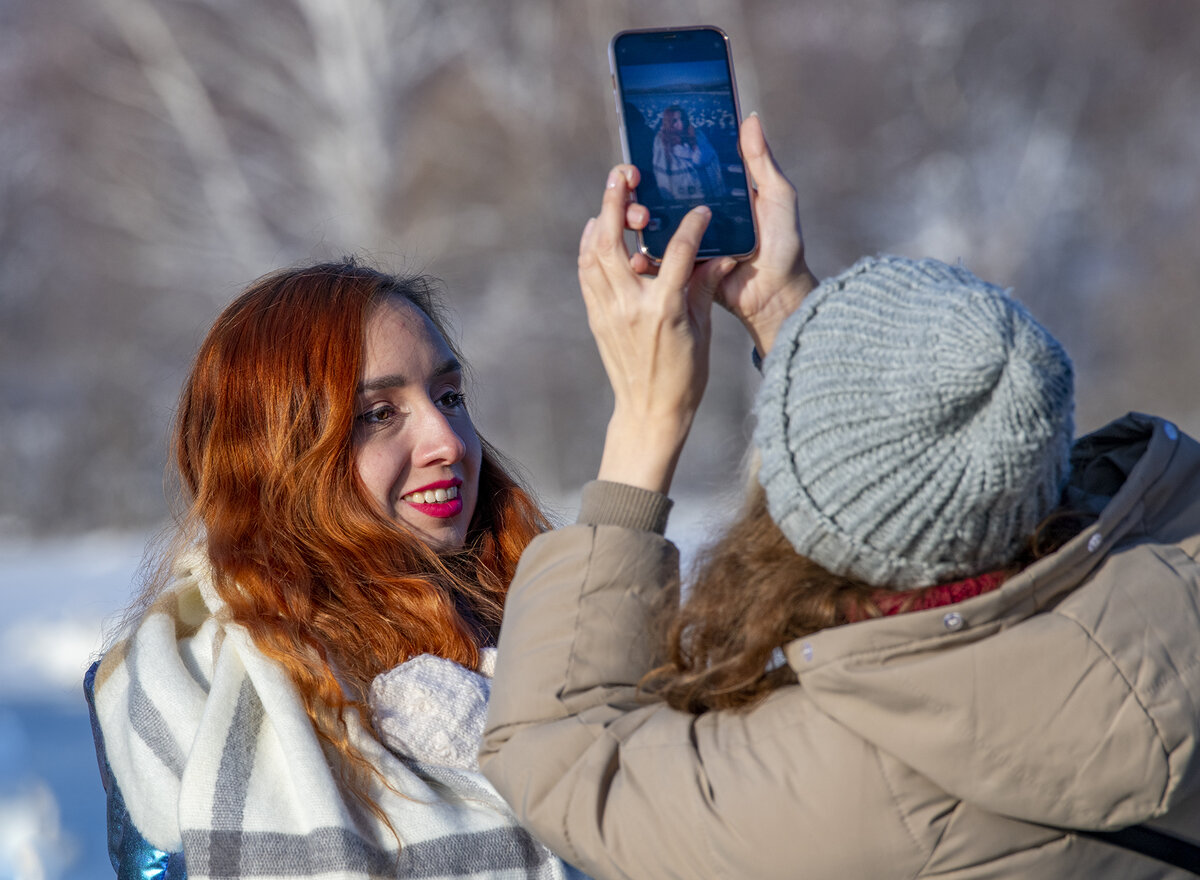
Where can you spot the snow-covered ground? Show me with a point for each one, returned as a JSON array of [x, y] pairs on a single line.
[[57, 598], [57, 595]]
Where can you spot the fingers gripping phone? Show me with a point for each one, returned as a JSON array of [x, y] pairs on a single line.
[[679, 119]]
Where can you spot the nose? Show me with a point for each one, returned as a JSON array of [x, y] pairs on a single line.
[[440, 441]]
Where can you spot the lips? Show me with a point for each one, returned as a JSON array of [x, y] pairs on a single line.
[[440, 500]]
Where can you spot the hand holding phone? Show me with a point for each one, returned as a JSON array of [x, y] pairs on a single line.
[[763, 290], [679, 119], [653, 334]]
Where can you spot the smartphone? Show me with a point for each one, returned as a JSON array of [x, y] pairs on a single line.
[[677, 108]]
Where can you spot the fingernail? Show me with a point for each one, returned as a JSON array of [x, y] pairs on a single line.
[[613, 177], [628, 172], [727, 265], [702, 209]]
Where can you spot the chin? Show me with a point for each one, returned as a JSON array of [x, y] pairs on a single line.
[[450, 544], [447, 541], [446, 537]]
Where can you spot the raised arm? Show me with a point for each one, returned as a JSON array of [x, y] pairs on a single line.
[[576, 639], [653, 334]]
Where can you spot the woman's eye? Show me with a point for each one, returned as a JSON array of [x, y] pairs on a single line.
[[377, 416], [452, 400]]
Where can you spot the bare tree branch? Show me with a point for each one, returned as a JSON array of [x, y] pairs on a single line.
[[199, 125]]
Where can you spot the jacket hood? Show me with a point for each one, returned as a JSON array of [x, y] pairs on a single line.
[[1070, 695]]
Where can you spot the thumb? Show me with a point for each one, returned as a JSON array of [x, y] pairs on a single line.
[[756, 151]]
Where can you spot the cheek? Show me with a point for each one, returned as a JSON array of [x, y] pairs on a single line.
[[473, 457], [475, 454], [376, 470]]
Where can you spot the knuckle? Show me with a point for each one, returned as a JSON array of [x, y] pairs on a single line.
[[606, 245], [680, 246]]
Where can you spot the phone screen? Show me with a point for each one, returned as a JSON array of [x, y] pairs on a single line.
[[678, 109]]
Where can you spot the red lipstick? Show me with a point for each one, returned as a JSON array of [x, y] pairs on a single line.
[[430, 505]]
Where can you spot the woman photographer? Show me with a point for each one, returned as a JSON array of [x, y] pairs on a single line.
[[940, 640]]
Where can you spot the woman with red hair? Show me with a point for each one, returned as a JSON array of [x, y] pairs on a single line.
[[302, 688]]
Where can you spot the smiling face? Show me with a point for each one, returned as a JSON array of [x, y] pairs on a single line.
[[415, 448]]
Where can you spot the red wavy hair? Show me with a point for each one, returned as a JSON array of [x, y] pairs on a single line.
[[302, 555]]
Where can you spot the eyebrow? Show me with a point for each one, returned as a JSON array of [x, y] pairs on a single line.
[[399, 380]]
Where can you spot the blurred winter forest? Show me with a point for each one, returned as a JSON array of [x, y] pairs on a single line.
[[156, 155]]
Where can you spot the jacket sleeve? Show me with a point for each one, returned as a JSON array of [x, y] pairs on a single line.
[[624, 786], [132, 857], [572, 648]]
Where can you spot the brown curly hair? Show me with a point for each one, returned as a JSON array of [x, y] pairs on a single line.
[[751, 594]]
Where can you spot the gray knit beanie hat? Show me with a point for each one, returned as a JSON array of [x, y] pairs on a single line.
[[914, 424]]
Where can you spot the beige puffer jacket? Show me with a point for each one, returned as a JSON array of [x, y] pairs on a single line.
[[938, 743]]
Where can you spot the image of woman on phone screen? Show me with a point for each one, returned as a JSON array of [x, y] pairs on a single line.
[[301, 690], [686, 167], [942, 638]]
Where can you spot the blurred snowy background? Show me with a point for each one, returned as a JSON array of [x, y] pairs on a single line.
[[156, 155]]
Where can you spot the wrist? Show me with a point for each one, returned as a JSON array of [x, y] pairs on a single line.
[[764, 325], [643, 452]]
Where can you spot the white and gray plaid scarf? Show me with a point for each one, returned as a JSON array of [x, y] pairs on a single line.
[[215, 756]]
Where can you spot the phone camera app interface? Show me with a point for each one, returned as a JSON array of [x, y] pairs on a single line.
[[681, 125]]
